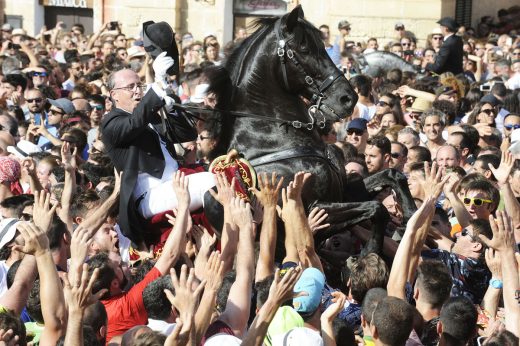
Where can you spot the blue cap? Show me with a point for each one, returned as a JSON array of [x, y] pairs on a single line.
[[312, 282], [358, 123]]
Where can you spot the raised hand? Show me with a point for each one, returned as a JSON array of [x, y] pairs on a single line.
[[203, 240], [294, 190], [503, 236], [8, 338], [43, 212], [29, 166], [434, 182], [338, 302], [185, 299], [79, 296], [316, 219], [241, 213], [214, 272], [282, 289], [506, 164], [494, 263], [269, 189], [180, 186], [225, 191], [36, 241], [68, 159]]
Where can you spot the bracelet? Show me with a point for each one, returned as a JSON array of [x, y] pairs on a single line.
[[496, 283]]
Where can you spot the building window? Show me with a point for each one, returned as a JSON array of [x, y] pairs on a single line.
[[463, 12], [15, 21]]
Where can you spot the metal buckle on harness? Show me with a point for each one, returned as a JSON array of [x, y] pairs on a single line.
[[290, 53], [281, 48], [309, 80], [296, 124]]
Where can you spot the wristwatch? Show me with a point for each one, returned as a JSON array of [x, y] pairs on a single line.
[[496, 283]]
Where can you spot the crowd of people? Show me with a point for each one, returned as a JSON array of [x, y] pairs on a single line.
[[87, 165]]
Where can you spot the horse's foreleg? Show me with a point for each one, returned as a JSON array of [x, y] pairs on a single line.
[[345, 215]]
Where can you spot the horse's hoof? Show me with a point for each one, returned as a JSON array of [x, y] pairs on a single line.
[[231, 155]]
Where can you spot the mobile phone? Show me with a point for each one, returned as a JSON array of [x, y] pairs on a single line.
[[113, 25], [37, 119]]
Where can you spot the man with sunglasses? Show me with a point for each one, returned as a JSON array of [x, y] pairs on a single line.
[[449, 57], [39, 76], [36, 105], [511, 123], [357, 134], [47, 129]]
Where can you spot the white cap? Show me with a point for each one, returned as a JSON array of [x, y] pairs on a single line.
[[135, 51], [23, 148], [299, 336], [222, 339], [514, 148], [7, 230]]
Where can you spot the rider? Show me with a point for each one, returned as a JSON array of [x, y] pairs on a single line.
[[139, 147]]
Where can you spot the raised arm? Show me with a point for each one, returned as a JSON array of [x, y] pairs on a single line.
[[238, 304], [268, 197], [15, 299], [503, 241], [281, 291], [214, 274], [96, 35], [53, 306], [176, 242], [492, 297], [79, 297], [413, 238], [461, 213], [95, 220], [511, 203], [229, 241], [68, 161]]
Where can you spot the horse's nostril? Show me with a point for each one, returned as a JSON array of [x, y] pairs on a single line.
[[345, 100]]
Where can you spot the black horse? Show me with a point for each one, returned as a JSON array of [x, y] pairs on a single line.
[[277, 88]]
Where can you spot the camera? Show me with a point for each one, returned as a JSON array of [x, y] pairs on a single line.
[[11, 45], [113, 25]]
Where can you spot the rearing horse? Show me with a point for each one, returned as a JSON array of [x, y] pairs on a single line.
[[283, 80]]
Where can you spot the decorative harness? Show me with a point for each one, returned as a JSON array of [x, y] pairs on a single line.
[[284, 51]]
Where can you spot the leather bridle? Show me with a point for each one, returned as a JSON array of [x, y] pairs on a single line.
[[286, 54]]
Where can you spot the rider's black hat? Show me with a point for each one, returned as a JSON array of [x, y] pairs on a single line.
[[450, 23], [158, 38]]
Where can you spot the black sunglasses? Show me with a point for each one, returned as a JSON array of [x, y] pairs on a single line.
[[39, 74], [358, 132], [395, 155], [488, 111], [37, 100], [383, 103]]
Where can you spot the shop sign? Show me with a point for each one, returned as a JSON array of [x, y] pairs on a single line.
[[69, 3], [260, 7]]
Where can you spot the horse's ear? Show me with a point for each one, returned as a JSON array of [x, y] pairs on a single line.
[[294, 16]]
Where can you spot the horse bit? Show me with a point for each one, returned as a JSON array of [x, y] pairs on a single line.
[[284, 51]]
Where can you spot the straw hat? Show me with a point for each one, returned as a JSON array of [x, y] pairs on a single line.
[[419, 105]]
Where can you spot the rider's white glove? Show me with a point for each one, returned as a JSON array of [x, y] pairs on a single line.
[[168, 103], [161, 64]]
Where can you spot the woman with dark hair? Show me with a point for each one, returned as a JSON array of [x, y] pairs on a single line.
[[512, 102], [468, 102], [387, 103], [483, 113]]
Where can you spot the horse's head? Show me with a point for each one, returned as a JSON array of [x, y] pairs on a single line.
[[305, 68]]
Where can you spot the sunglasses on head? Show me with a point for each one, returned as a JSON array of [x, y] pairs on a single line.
[[488, 111], [512, 126], [358, 132], [475, 201]]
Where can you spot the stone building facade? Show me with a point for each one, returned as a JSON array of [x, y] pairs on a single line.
[[369, 18]]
